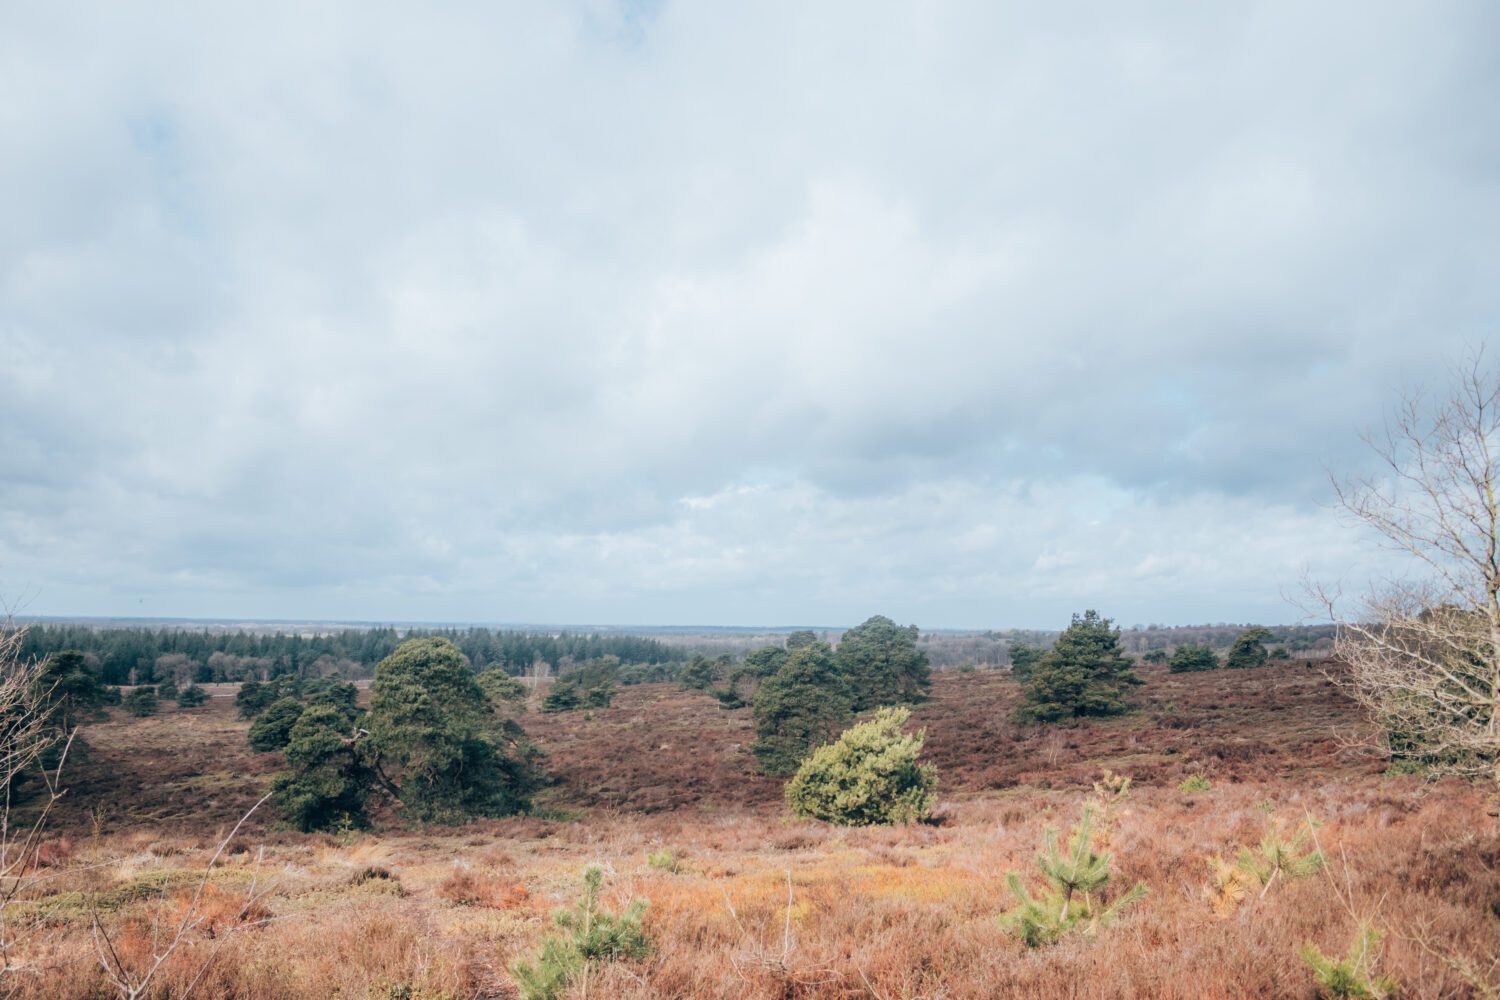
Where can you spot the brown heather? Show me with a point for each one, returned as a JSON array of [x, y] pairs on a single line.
[[905, 912]]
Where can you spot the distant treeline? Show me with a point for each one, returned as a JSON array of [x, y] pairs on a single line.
[[147, 656]]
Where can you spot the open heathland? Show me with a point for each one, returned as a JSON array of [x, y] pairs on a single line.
[[660, 789]]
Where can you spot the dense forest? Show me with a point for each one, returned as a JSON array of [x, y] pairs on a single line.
[[146, 656]]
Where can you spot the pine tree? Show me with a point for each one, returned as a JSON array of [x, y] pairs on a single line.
[[1191, 659], [1354, 974], [1280, 857], [591, 935], [1074, 877], [433, 734], [805, 704], [882, 664], [1084, 673], [1249, 650]]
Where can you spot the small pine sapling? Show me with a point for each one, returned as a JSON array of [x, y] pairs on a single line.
[[1278, 856], [1353, 975], [1075, 877], [590, 935], [1228, 888]]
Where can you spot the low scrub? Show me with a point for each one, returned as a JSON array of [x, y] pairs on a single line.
[[869, 776]]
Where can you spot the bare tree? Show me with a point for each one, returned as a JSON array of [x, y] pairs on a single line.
[[1424, 655], [31, 745]]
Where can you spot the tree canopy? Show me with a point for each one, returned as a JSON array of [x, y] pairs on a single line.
[[804, 704], [882, 665], [1084, 673]]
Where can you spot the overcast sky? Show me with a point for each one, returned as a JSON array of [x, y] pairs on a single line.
[[968, 314]]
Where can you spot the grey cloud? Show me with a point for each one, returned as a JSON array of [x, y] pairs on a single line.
[[365, 311]]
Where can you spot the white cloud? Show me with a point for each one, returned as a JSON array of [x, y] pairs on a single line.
[[973, 312]]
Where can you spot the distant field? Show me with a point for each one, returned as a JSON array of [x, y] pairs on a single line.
[[875, 913]]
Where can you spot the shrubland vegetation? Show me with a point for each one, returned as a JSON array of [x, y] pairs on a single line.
[[1222, 838]]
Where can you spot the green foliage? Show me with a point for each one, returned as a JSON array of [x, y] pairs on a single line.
[[141, 702], [1353, 975], [501, 688], [191, 696], [272, 729], [767, 660], [757, 666], [1155, 656], [1279, 856], [1083, 674], [1194, 783], [327, 785], [802, 637], [253, 698], [1191, 659], [1279, 653], [868, 776], [698, 675], [331, 691], [1023, 659], [665, 860], [590, 935], [802, 706], [1074, 878], [589, 686], [69, 687], [430, 722], [167, 690], [1249, 650], [882, 665]]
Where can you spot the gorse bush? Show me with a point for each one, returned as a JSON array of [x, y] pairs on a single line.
[[590, 935], [1073, 899], [868, 776]]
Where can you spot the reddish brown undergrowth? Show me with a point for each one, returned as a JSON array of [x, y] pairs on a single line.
[[755, 905]]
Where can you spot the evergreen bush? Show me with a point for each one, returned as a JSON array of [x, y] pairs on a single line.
[[141, 702], [868, 776]]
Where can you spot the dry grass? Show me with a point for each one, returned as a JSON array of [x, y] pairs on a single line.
[[880, 913]]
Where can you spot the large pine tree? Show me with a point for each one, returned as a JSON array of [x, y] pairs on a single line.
[[804, 705], [1084, 673], [882, 664]]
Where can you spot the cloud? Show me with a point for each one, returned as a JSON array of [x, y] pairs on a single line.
[[669, 312]]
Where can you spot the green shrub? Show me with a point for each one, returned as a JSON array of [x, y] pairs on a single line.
[[1249, 650], [1354, 974], [665, 860], [590, 936], [868, 776], [501, 688], [253, 698], [273, 728], [1194, 783], [327, 785], [1074, 878], [142, 702], [1191, 659], [191, 696], [167, 690]]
